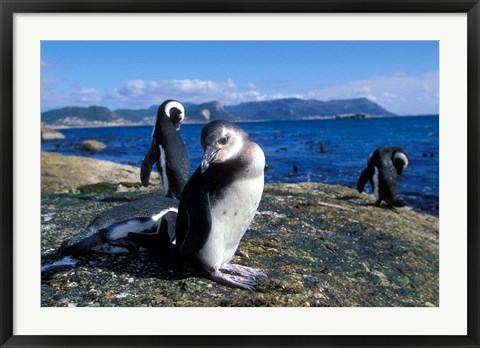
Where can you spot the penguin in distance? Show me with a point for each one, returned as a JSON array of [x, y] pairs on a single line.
[[167, 150], [384, 166]]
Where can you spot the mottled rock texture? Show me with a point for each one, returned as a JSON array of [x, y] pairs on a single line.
[[77, 174], [48, 133], [92, 146], [320, 245]]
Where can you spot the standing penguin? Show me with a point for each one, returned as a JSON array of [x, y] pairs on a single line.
[[167, 150], [219, 202], [384, 166], [153, 216]]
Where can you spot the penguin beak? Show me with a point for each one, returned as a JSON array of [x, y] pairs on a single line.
[[178, 121], [208, 157]]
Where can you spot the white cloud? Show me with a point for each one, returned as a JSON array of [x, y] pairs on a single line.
[[49, 82], [141, 94], [44, 64], [399, 93], [52, 98], [89, 96]]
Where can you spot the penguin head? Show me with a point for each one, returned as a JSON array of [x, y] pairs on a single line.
[[174, 110], [400, 161], [221, 142]]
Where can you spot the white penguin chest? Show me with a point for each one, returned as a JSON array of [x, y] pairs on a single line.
[[375, 182], [231, 216], [163, 166]]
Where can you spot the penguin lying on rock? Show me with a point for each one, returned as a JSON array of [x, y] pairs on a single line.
[[107, 232], [167, 150], [384, 166]]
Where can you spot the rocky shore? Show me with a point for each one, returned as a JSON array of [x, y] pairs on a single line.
[[320, 245], [48, 133], [76, 174]]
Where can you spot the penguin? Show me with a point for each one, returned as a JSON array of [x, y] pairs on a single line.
[[384, 166], [108, 232], [218, 204], [206, 225], [167, 150]]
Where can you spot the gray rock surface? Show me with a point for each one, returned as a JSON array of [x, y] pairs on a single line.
[[92, 146], [77, 174], [320, 245], [48, 133]]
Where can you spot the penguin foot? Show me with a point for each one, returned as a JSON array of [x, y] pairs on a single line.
[[238, 276], [234, 281], [243, 271], [398, 202]]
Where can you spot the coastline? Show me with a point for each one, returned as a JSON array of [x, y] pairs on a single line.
[[190, 122], [319, 244]]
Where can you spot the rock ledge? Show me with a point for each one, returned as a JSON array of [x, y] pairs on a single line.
[[320, 245]]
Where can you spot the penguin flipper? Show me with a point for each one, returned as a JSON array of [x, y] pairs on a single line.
[[367, 173], [156, 242], [152, 157], [197, 225]]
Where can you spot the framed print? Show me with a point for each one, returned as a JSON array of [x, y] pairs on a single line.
[[311, 178]]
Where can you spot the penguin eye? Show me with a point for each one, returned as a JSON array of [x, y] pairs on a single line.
[[223, 140]]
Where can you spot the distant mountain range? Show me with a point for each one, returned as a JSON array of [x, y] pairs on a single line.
[[270, 110]]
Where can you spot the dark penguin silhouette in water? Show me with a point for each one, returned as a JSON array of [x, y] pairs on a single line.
[[108, 232], [167, 150], [218, 203], [384, 166]]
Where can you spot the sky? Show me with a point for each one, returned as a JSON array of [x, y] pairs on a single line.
[[401, 76]]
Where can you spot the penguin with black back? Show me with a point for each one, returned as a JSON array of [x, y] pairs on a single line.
[[216, 207], [384, 166], [152, 216], [108, 232], [219, 203], [167, 150]]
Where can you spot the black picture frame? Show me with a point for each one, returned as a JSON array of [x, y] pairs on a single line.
[[10, 7]]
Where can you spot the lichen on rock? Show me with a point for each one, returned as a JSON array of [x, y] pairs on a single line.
[[92, 146], [48, 133], [320, 245]]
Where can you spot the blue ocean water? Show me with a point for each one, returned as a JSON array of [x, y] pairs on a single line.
[[331, 151]]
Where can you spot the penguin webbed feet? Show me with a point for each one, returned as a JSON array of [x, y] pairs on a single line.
[[243, 270], [397, 202], [238, 276]]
